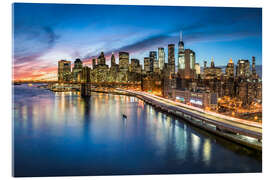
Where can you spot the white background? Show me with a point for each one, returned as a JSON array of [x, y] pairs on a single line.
[[6, 76]]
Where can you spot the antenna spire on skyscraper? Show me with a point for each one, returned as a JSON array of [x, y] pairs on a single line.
[[181, 36]]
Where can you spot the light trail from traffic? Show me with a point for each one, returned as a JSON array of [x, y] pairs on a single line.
[[235, 122]]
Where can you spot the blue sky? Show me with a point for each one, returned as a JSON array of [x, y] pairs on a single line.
[[46, 33]]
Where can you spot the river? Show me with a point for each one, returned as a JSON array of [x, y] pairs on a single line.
[[63, 134]]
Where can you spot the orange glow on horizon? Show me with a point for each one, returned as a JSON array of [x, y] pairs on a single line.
[[44, 74]]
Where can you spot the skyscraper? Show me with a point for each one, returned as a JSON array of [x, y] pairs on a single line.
[[147, 64], [197, 68], [229, 71], [113, 60], [77, 70], [181, 53], [171, 58], [204, 64], [94, 63], [101, 59], [64, 70], [153, 57], [189, 65], [78, 64], [229, 79], [212, 72], [161, 58], [212, 62], [253, 65], [134, 65], [123, 61], [192, 59], [243, 69]]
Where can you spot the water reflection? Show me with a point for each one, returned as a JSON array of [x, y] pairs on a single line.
[[88, 136], [207, 151], [195, 146]]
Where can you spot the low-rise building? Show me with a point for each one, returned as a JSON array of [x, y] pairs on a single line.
[[201, 99]]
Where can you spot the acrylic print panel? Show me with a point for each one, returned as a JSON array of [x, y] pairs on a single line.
[[117, 89]]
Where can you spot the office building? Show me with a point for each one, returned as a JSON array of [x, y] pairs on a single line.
[[229, 71], [76, 71], [161, 58], [101, 59], [181, 54], [123, 61], [189, 71], [134, 65], [243, 69], [197, 69], [113, 63], [148, 65], [64, 71], [212, 72], [94, 63], [253, 66], [153, 57], [171, 58]]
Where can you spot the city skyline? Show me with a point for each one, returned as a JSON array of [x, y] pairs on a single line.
[[41, 40], [179, 87]]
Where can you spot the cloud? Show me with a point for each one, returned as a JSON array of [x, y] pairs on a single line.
[[205, 29], [31, 43], [34, 41]]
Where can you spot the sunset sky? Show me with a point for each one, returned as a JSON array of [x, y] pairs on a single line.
[[46, 33]]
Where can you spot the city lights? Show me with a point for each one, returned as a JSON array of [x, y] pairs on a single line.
[[234, 92]]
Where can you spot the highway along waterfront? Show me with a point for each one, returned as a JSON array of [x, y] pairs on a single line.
[[240, 131], [72, 135]]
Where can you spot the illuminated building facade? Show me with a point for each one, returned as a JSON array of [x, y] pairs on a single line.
[[168, 81], [154, 60], [212, 72], [181, 54], [101, 59], [171, 58], [123, 61], [101, 71], [229, 79], [189, 65], [197, 99], [135, 66], [64, 71], [229, 71], [76, 71], [161, 58], [243, 69], [152, 83], [113, 63], [197, 69], [113, 70], [153, 55], [148, 65], [94, 63], [190, 85]]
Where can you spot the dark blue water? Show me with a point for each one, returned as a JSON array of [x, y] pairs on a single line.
[[60, 134]]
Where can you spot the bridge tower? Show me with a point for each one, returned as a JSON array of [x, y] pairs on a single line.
[[85, 82]]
